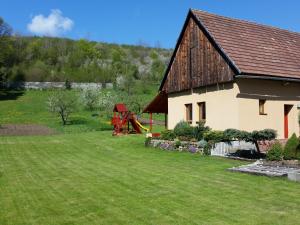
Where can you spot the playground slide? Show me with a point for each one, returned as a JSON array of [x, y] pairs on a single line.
[[141, 126], [135, 126]]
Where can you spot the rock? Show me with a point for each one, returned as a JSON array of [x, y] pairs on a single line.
[[294, 176]]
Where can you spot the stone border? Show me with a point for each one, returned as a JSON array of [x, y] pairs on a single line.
[[167, 145]]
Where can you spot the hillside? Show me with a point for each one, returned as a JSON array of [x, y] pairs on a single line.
[[61, 59], [57, 59]]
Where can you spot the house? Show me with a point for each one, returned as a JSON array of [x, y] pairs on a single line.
[[232, 74]]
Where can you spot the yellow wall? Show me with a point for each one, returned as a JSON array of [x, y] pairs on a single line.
[[277, 94], [235, 105], [220, 101]]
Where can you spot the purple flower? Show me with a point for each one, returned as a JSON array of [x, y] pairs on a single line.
[[192, 149]]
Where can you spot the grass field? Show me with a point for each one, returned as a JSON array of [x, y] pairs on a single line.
[[85, 176], [94, 178]]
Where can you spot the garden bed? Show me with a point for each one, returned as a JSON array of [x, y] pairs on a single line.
[[174, 145], [25, 130]]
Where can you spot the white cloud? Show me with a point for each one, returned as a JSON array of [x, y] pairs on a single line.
[[53, 25]]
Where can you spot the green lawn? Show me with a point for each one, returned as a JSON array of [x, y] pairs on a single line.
[[30, 107], [94, 178]]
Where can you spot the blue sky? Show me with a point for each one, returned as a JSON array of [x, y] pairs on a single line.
[[131, 22]]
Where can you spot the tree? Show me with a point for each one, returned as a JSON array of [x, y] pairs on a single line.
[[90, 98], [6, 52], [290, 148], [107, 101], [62, 103], [5, 29]]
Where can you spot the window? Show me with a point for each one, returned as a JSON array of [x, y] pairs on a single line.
[[262, 107], [189, 112], [202, 111]]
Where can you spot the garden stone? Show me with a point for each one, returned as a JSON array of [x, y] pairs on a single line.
[[294, 176]]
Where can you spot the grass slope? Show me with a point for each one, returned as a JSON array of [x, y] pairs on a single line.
[[94, 178]]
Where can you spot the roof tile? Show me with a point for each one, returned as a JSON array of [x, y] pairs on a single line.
[[255, 48]]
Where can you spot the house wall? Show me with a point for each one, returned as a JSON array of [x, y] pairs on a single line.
[[276, 94], [236, 105], [221, 106]]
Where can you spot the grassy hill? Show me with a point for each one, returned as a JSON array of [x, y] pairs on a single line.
[[60, 59]]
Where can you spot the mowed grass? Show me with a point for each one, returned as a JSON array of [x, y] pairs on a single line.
[[30, 107], [94, 178]]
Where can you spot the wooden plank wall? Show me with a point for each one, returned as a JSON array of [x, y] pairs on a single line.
[[197, 63]]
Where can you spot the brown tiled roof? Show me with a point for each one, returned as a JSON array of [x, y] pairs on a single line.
[[254, 48]]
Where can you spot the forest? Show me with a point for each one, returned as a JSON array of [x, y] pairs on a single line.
[[25, 58]]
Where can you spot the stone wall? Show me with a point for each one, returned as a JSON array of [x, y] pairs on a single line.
[[50, 85], [172, 145]]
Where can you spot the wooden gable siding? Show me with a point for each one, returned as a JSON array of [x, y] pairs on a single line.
[[197, 63]]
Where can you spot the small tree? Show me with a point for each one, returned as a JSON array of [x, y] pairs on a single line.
[[275, 153], [63, 104], [90, 98], [107, 101], [290, 149], [68, 84]]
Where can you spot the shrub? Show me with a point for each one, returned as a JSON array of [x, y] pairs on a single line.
[[177, 144], [68, 85], [147, 141], [234, 134], [264, 135], [254, 137], [199, 130], [275, 153], [184, 129], [290, 149], [202, 143], [207, 148], [184, 138], [168, 135], [214, 136]]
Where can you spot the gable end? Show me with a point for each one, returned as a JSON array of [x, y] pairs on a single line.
[[197, 60]]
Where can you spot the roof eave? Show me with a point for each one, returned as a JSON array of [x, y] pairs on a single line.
[[267, 77]]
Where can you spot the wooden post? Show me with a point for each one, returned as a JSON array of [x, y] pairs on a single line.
[[166, 120], [151, 122]]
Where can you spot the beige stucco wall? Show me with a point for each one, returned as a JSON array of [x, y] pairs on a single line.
[[221, 106], [235, 105], [277, 94]]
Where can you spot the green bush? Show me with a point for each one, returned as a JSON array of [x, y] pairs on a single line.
[[183, 129], [275, 153], [177, 144], [168, 135], [290, 149], [207, 148], [202, 143], [147, 141], [199, 130], [214, 136], [262, 135]]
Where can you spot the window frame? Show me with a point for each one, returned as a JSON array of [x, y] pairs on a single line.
[[189, 112], [261, 107], [202, 110]]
